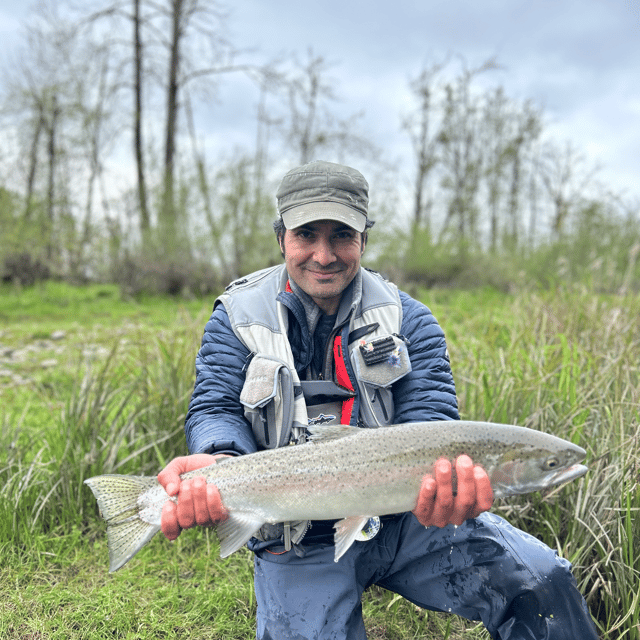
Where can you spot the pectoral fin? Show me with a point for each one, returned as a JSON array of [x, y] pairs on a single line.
[[236, 531], [346, 532]]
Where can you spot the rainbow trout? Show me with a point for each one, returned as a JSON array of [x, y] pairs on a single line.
[[344, 473]]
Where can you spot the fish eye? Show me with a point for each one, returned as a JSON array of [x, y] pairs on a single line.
[[551, 463]]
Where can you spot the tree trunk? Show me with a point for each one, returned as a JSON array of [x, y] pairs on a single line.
[[51, 151], [137, 123], [168, 208], [33, 162]]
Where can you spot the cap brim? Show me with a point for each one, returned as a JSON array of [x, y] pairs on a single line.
[[314, 211]]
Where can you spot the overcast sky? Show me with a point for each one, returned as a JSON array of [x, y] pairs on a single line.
[[578, 59]]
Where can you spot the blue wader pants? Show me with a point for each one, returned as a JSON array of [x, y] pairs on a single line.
[[483, 570]]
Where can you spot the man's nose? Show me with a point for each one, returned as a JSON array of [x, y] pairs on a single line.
[[323, 252]]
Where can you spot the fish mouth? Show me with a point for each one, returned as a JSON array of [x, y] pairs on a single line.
[[515, 487], [570, 473]]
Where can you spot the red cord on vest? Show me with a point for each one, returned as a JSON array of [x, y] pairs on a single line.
[[342, 378]]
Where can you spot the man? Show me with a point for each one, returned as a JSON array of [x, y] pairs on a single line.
[[342, 345]]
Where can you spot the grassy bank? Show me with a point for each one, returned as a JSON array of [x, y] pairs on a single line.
[[91, 383]]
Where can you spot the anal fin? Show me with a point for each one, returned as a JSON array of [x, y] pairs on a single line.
[[346, 532]]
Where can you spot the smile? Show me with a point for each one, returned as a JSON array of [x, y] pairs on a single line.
[[323, 274]]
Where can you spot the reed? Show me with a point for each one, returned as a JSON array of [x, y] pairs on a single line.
[[568, 364]]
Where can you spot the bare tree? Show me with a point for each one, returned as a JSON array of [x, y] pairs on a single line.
[[565, 178], [269, 81], [308, 89], [39, 90], [108, 19], [52, 156], [186, 39], [61, 92], [238, 223], [196, 50], [510, 130], [138, 74], [39, 126], [478, 144], [180, 13], [111, 18], [462, 153], [526, 129], [310, 125], [495, 119], [423, 134]]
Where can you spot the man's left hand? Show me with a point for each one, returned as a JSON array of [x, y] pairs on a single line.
[[436, 503]]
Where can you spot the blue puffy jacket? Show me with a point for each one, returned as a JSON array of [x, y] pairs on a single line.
[[215, 420]]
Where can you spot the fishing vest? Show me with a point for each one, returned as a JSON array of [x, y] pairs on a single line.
[[369, 356]]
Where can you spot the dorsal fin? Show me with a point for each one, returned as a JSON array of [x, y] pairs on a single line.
[[323, 433]]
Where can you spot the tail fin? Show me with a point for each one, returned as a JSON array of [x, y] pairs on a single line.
[[117, 497]]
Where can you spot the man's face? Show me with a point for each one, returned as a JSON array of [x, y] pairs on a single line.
[[322, 258]]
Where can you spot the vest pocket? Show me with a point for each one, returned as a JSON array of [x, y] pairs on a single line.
[[379, 363], [267, 397]]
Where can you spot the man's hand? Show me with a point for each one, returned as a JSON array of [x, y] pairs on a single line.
[[438, 506], [198, 502]]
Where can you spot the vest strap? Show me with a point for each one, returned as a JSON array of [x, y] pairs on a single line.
[[342, 378]]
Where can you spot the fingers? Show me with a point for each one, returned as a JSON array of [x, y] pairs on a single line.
[[169, 520], [169, 477], [187, 503], [435, 501], [484, 492], [465, 503], [474, 495], [437, 504], [426, 501], [217, 512], [444, 504], [198, 503]]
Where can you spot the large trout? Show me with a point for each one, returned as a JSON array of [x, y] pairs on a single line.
[[343, 473]]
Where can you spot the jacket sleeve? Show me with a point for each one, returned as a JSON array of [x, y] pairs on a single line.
[[215, 420], [428, 392]]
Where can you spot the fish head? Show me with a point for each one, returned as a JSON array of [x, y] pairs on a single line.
[[537, 467]]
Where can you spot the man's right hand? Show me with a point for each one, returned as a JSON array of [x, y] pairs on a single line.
[[198, 502]]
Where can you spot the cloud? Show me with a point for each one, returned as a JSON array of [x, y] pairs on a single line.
[[578, 59]]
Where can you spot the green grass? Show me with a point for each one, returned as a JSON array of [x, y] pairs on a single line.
[[67, 593], [65, 328], [565, 362]]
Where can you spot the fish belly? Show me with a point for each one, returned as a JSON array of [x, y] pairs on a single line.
[[321, 497]]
